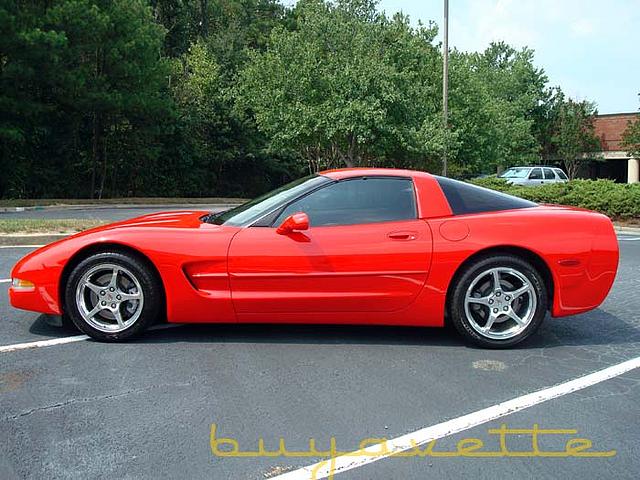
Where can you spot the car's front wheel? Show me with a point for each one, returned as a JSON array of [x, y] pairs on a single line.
[[112, 296], [499, 301]]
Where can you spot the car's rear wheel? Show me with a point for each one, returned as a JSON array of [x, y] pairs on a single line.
[[498, 301], [112, 296]]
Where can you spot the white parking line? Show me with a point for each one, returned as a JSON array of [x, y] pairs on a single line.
[[411, 441], [625, 239], [63, 340], [5, 280], [42, 343], [21, 246]]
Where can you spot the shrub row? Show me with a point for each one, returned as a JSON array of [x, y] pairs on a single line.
[[620, 201]]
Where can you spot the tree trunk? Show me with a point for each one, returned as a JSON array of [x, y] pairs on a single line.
[[348, 162], [104, 168], [114, 192], [94, 153], [572, 168], [350, 158], [204, 18]]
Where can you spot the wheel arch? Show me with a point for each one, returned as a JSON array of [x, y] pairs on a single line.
[[529, 255], [95, 248]]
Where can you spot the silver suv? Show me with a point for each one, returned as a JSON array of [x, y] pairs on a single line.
[[534, 175]]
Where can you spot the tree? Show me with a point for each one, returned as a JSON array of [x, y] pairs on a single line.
[[223, 149], [348, 85], [575, 137], [631, 138], [113, 57], [210, 133], [233, 97], [28, 68], [545, 122], [228, 26], [496, 99], [84, 82]]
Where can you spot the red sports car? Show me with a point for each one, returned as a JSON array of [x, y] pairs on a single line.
[[353, 246]]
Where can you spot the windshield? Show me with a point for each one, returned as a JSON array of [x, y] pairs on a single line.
[[258, 207], [516, 172]]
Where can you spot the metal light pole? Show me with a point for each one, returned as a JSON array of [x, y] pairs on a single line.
[[445, 85]]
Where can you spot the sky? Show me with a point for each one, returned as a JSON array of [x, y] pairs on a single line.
[[590, 48]]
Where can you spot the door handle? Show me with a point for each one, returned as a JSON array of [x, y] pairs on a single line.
[[403, 235]]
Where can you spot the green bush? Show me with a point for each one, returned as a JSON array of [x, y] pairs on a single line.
[[619, 201]]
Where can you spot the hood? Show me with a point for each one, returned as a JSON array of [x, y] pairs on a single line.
[[126, 230], [173, 219]]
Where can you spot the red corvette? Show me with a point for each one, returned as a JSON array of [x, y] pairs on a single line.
[[354, 246]]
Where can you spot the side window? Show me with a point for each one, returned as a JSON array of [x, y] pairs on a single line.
[[548, 174], [561, 174], [361, 200], [536, 174]]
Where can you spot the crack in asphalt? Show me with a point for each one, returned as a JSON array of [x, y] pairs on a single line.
[[630, 384], [72, 401]]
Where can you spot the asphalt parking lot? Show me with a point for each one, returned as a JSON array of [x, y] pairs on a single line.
[[144, 409], [103, 212]]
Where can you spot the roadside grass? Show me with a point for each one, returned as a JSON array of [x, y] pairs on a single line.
[[17, 226], [45, 202], [630, 222]]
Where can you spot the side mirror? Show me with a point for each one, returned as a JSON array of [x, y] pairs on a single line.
[[297, 221]]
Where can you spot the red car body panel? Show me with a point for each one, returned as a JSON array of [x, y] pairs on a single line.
[[378, 267], [393, 273]]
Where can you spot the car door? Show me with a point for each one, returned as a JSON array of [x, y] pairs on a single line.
[[365, 251], [535, 177], [549, 175]]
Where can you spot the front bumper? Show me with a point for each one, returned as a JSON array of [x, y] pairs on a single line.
[[42, 298]]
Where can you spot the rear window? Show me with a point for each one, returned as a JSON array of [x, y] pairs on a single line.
[[561, 174], [466, 198]]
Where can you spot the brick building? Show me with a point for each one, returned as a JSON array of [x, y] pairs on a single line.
[[618, 164]]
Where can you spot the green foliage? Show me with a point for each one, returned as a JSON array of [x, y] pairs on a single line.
[[104, 98], [631, 138], [617, 200], [495, 101], [575, 137], [82, 85], [348, 86]]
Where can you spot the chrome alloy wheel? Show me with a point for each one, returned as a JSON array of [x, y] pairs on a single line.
[[500, 303], [109, 298]]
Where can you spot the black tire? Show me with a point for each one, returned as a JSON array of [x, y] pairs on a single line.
[[457, 301], [152, 295]]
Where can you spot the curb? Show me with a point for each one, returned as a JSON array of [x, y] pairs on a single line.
[[29, 240], [628, 230]]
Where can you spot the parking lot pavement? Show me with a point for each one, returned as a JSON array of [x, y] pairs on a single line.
[[145, 408], [104, 213], [606, 414]]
